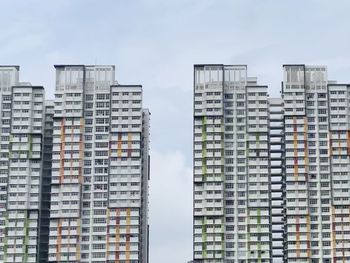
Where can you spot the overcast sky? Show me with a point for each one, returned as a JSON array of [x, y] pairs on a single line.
[[155, 43]]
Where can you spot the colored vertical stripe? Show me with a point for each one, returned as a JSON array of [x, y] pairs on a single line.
[[78, 239], [297, 230], [119, 147], [295, 142], [127, 246], [59, 240], [348, 142], [129, 144], [306, 151], [117, 235], [30, 141]]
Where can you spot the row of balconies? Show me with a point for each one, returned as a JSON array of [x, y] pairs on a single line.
[[257, 113], [208, 146], [205, 205], [124, 122], [64, 214], [67, 135], [68, 140], [205, 221], [15, 225], [68, 191], [210, 163], [210, 155], [22, 188], [67, 180], [127, 128], [209, 213], [210, 238], [131, 103], [16, 177], [258, 171], [208, 138], [128, 96], [24, 198], [122, 231], [63, 257], [199, 130], [63, 249], [68, 163], [20, 241], [123, 212], [199, 121], [209, 248], [134, 199], [65, 208], [208, 196], [62, 198], [67, 106], [258, 203], [18, 257], [14, 235], [208, 231], [126, 202], [128, 113], [20, 205], [123, 178], [34, 139], [20, 128], [123, 223]]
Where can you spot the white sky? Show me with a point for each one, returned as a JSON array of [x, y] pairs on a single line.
[[155, 43]]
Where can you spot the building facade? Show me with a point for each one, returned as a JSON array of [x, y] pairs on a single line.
[[23, 111], [9, 76], [271, 176], [100, 168], [231, 166], [74, 172], [317, 177]]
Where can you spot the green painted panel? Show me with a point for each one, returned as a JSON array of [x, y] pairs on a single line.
[[30, 141]]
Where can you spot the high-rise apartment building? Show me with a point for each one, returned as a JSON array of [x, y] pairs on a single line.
[[22, 146], [317, 175], [271, 176], [100, 168], [231, 166], [74, 171], [9, 76]]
